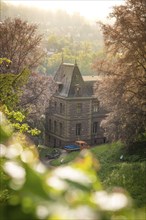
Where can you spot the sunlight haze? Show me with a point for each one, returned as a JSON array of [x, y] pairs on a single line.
[[92, 10]]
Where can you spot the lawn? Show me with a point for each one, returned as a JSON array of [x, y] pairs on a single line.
[[117, 169]]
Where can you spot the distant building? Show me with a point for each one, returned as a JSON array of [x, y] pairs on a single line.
[[74, 112]]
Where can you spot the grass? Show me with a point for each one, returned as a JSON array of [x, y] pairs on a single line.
[[69, 157], [99, 152], [63, 159], [43, 150], [128, 172]]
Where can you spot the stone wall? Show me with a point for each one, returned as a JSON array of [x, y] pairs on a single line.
[[68, 112]]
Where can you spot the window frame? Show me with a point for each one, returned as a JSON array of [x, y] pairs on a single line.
[[55, 126], [79, 108], [95, 127], [78, 129], [60, 128], [95, 106]]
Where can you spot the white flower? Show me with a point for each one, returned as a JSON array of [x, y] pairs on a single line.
[[14, 170], [72, 174], [111, 202]]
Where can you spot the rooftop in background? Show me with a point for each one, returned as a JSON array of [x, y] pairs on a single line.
[[68, 64], [91, 78]]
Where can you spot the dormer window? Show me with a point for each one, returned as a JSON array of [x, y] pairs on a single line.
[[60, 86], [77, 90]]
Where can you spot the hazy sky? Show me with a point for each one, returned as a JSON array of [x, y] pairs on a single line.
[[91, 9]]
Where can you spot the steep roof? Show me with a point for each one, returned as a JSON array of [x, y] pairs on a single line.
[[70, 81], [90, 82]]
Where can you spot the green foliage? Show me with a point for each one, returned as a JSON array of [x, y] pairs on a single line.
[[72, 34], [127, 172], [104, 153], [4, 59], [141, 137], [5, 129], [83, 52], [43, 151], [11, 86], [67, 192], [17, 120], [18, 116], [130, 176], [118, 168]]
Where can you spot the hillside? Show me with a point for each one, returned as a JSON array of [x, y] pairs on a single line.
[[70, 36], [117, 168]]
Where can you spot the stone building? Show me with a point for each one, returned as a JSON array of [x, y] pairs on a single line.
[[74, 112]]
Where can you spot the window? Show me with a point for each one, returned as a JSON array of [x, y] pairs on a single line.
[[77, 90], [55, 126], [61, 108], [60, 143], [78, 129], [60, 128], [55, 106], [60, 86], [79, 107], [95, 127], [54, 142], [95, 107], [50, 125]]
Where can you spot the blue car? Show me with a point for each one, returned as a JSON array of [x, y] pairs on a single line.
[[79, 145]]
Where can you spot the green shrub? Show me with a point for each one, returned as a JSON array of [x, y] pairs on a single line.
[[130, 176]]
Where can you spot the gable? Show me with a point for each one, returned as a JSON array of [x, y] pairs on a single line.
[[70, 81], [77, 87]]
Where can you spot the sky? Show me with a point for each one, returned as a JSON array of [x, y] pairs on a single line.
[[91, 9]]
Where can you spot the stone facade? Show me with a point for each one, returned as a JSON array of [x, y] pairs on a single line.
[[74, 113]]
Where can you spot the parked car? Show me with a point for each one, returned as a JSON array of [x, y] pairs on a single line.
[[54, 154], [79, 145]]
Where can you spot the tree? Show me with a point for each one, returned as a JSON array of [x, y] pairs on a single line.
[[11, 86], [20, 43], [123, 90], [35, 100], [37, 94]]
